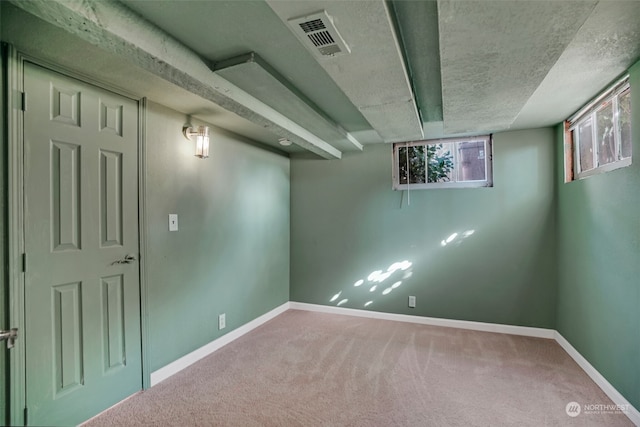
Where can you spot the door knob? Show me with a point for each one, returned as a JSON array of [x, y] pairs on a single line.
[[10, 336], [128, 259]]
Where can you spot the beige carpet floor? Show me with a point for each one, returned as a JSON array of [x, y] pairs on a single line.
[[314, 369]]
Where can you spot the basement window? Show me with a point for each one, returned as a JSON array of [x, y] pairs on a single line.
[[443, 163], [598, 137]]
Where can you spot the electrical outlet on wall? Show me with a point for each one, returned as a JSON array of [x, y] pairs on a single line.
[[173, 222], [412, 301], [222, 321]]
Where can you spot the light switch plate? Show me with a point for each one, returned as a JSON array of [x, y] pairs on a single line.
[[173, 222]]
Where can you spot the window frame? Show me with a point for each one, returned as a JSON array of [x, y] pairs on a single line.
[[488, 158], [573, 167]]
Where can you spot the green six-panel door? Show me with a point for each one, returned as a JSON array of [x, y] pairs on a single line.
[[82, 331]]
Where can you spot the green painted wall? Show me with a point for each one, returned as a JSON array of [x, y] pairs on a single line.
[[347, 222], [599, 265], [231, 253]]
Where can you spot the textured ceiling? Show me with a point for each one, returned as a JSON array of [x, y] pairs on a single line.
[[441, 68], [494, 54], [474, 66], [604, 47], [373, 75]]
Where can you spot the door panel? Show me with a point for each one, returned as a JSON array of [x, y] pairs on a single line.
[[82, 331]]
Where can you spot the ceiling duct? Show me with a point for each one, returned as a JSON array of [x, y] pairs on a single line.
[[318, 34]]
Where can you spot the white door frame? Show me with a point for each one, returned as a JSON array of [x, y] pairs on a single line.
[[15, 218]]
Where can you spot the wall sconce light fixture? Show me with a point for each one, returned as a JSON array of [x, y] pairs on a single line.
[[202, 139]]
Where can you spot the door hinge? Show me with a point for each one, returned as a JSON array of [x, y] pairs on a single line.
[[25, 416], [24, 262], [23, 101]]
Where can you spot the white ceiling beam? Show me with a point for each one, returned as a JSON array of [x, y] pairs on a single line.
[[116, 29], [252, 74]]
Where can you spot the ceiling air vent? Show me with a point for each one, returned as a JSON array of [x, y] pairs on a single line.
[[318, 33]]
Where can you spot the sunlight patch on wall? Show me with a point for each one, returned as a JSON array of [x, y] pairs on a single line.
[[401, 269], [456, 238]]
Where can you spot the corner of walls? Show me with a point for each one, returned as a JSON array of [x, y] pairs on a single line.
[[558, 179], [231, 252], [618, 399]]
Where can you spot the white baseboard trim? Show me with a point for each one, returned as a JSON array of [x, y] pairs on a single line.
[[609, 390], [189, 359], [433, 321]]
